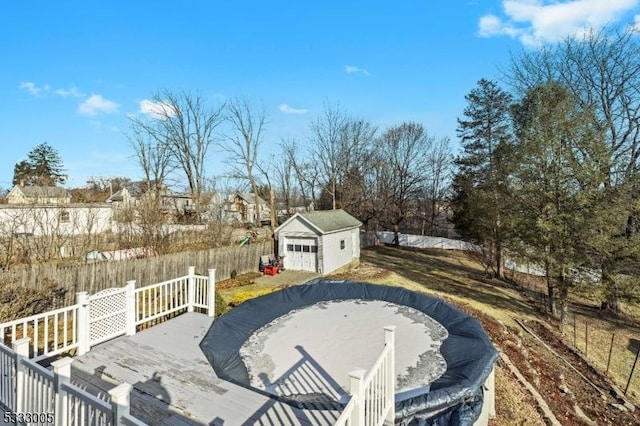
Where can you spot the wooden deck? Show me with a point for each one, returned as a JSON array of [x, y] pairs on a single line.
[[173, 384]]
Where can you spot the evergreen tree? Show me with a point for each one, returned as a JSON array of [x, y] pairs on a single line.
[[558, 186], [43, 167], [481, 183]]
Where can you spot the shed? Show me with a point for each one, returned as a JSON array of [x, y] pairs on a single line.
[[319, 241]]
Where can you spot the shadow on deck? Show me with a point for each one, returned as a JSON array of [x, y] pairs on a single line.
[[173, 383]]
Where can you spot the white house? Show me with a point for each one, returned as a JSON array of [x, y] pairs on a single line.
[[38, 195], [319, 241]]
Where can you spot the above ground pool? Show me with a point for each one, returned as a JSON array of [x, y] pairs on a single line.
[[299, 344]]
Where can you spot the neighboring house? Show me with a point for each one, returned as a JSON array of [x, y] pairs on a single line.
[[38, 195], [242, 208], [129, 195], [54, 220], [319, 241]]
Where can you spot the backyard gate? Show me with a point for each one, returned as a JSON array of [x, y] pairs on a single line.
[[107, 315]]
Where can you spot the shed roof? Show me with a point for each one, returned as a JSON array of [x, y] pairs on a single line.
[[326, 221]]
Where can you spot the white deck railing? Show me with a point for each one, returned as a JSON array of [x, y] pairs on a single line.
[[51, 332], [79, 327], [39, 396], [372, 392]]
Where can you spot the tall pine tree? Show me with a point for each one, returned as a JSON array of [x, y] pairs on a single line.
[[482, 180], [43, 167]]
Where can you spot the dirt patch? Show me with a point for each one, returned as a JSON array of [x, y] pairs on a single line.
[[572, 399], [362, 272], [239, 281]]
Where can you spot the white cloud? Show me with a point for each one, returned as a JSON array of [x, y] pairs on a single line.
[[32, 88], [290, 110], [537, 21], [636, 23], [96, 104], [351, 69], [72, 92], [156, 109]]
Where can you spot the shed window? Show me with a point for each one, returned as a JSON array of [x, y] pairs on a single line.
[[314, 249], [289, 247], [298, 248], [306, 249], [341, 244]]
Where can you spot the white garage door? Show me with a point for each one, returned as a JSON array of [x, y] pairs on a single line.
[[301, 254]]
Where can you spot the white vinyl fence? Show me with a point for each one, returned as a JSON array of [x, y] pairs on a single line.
[[372, 392]]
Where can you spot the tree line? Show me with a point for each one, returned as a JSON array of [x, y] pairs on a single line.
[[549, 169], [387, 179]]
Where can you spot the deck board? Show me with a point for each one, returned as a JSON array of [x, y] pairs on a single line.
[[174, 384]]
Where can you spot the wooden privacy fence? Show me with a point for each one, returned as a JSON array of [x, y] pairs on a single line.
[[93, 277]]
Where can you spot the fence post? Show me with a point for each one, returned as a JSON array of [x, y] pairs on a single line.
[[211, 293], [586, 339], [21, 348], [632, 370], [131, 308], [356, 390], [62, 376], [613, 336], [120, 400], [390, 392], [191, 288], [82, 328]]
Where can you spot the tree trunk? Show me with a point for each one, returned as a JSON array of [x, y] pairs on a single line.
[[611, 304], [499, 260]]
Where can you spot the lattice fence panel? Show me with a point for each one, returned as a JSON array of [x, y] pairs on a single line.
[[107, 314]]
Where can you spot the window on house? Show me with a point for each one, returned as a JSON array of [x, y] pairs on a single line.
[[314, 249], [64, 216], [306, 249], [298, 248], [289, 247], [341, 244]]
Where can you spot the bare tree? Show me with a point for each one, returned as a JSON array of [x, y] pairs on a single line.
[[404, 160], [306, 172], [440, 162], [182, 124], [154, 154], [242, 142], [327, 132]]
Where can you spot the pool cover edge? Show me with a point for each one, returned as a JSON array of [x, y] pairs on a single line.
[[454, 398]]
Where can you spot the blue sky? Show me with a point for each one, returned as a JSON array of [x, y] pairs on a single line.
[[71, 72]]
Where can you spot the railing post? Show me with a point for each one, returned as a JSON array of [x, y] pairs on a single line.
[[211, 293], [82, 327], [21, 348], [131, 307], [191, 288], [120, 399], [62, 376], [491, 392], [390, 340], [356, 390]]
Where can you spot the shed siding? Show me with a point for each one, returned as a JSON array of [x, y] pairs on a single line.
[[334, 257]]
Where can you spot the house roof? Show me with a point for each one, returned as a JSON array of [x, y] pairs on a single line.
[[251, 198], [326, 221], [43, 191]]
